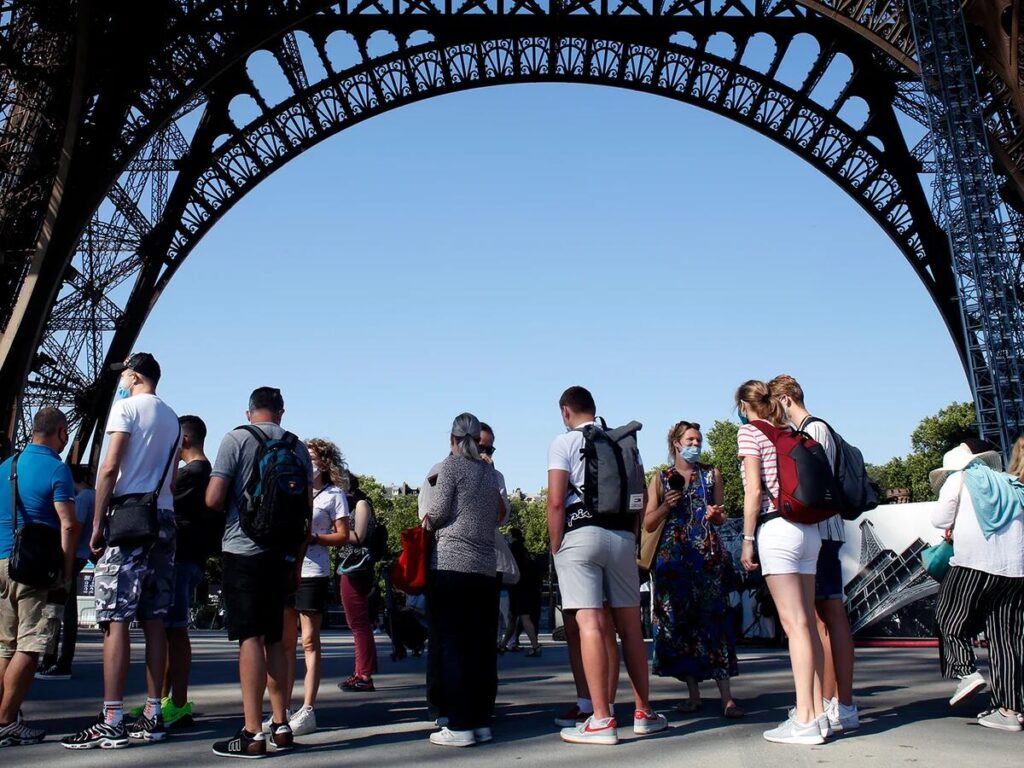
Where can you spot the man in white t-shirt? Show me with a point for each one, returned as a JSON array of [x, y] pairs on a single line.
[[134, 582], [595, 558], [833, 623]]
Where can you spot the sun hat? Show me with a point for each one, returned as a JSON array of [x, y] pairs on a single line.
[[972, 449]]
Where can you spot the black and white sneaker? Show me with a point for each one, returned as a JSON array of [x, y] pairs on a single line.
[[17, 733], [99, 734], [244, 744], [280, 736], [148, 728], [53, 672]]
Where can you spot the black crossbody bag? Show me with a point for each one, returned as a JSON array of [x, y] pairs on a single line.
[[37, 559], [133, 519]]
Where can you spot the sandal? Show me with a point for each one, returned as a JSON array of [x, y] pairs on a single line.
[[733, 712], [533, 651], [689, 706]]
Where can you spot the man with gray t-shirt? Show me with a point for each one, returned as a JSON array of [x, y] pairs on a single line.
[[257, 580]]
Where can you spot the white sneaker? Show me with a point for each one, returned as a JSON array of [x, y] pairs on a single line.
[[824, 726], [648, 722], [482, 735], [792, 732], [592, 732], [269, 722], [447, 738], [967, 687], [303, 721]]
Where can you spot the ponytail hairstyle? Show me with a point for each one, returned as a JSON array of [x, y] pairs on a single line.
[[675, 434], [466, 431], [758, 397]]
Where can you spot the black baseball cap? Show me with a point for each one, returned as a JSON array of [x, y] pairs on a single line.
[[142, 363]]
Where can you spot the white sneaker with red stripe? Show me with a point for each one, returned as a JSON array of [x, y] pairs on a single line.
[[592, 731], [648, 722]]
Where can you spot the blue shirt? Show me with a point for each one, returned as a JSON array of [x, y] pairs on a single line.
[[85, 505], [43, 479]]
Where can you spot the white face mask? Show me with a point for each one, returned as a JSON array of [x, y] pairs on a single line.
[[317, 469]]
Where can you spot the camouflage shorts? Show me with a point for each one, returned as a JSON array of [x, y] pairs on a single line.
[[138, 582]]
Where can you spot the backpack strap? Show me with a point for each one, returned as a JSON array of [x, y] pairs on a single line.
[[835, 441], [167, 466], [256, 432], [772, 433], [14, 494]]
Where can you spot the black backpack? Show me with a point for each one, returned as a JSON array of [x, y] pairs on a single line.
[[274, 510], [858, 492], [377, 543], [613, 481]]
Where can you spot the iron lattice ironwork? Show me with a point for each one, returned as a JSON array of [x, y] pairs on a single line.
[[134, 149]]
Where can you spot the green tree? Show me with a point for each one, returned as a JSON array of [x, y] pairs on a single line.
[[720, 451], [531, 517], [396, 512], [929, 441]]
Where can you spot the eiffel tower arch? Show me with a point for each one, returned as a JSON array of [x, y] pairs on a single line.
[[122, 142]]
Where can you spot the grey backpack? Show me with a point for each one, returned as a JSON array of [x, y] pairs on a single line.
[[614, 477]]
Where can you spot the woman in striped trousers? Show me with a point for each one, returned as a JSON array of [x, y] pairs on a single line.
[[984, 589]]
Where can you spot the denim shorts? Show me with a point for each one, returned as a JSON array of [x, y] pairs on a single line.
[[828, 585], [186, 581]]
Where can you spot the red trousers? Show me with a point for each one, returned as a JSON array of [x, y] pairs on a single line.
[[355, 591]]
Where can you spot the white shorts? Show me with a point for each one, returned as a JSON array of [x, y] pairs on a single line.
[[785, 547]]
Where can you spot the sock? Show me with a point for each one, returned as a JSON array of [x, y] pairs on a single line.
[[153, 708], [584, 705], [113, 712]]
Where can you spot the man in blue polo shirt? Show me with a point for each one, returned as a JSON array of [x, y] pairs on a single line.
[[28, 620]]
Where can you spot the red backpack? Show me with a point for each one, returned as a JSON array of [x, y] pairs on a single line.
[[808, 492]]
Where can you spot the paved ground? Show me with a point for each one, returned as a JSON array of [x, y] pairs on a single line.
[[903, 702]]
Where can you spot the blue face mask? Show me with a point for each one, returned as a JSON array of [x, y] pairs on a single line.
[[122, 391], [743, 417], [690, 454]]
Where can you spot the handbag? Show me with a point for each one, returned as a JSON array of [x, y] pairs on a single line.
[[508, 569], [133, 519], [409, 573], [649, 541], [935, 559], [37, 559]]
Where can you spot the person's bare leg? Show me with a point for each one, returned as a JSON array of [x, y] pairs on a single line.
[[5, 662], [276, 671], [572, 639], [693, 688], [839, 653], [252, 674], [289, 641], [17, 674], [634, 653], [179, 665], [593, 650], [611, 649], [531, 630], [156, 656], [117, 653], [311, 623], [796, 609], [725, 691]]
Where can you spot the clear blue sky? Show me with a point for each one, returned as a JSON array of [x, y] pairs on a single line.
[[482, 251]]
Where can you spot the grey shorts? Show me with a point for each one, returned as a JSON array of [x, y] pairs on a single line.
[[597, 567], [137, 582]]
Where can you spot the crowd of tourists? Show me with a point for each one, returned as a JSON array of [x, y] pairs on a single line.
[[273, 507]]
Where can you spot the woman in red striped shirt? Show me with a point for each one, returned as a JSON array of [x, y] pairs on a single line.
[[788, 555]]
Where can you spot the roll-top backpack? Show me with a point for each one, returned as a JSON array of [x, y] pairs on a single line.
[[613, 479], [858, 492], [274, 510], [808, 491]]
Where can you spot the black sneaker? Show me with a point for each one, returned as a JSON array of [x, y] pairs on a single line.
[[18, 733], [99, 734], [244, 744], [53, 672], [148, 728], [281, 736]]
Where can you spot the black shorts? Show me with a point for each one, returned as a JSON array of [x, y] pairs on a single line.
[[311, 596], [255, 588]]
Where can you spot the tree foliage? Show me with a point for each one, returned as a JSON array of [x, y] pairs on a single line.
[[929, 441], [531, 517], [396, 512], [720, 451]]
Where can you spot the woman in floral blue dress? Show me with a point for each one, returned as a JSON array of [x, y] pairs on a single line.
[[694, 634]]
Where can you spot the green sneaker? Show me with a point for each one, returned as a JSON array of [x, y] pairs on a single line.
[[165, 705], [173, 714], [136, 712]]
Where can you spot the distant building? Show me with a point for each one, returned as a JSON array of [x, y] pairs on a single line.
[[899, 496], [401, 490]]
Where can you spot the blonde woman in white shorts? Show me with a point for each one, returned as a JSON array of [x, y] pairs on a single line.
[[787, 554]]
